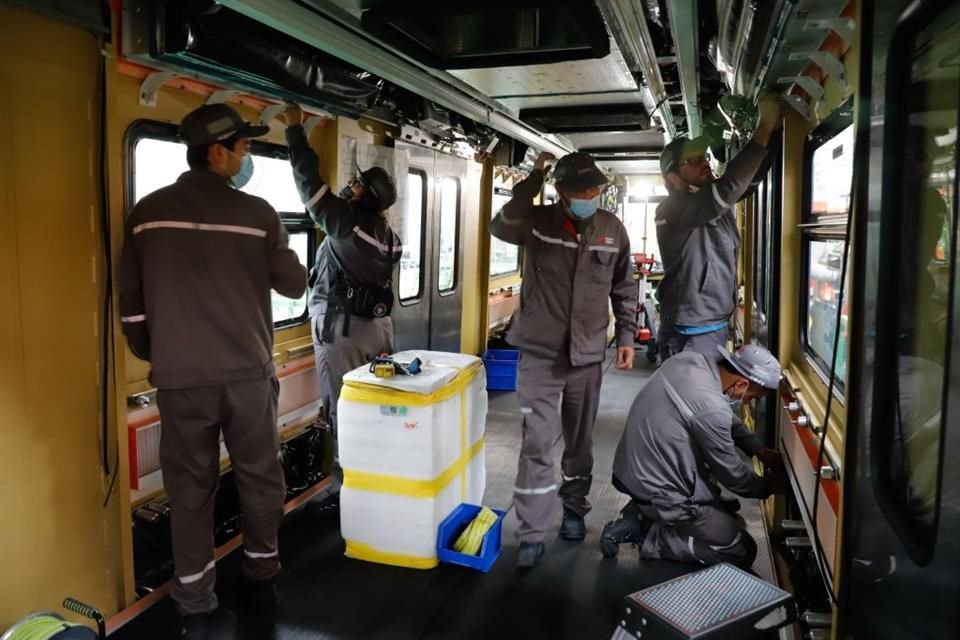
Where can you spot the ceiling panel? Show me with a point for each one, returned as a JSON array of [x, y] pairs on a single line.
[[643, 139], [571, 100]]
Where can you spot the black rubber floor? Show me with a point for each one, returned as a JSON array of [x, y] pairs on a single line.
[[572, 593]]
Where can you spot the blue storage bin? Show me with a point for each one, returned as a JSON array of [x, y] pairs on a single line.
[[501, 365], [453, 526]]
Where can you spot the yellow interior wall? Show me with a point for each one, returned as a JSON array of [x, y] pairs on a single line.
[[476, 263], [57, 538]]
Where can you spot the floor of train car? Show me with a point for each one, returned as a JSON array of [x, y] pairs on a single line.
[[572, 593]]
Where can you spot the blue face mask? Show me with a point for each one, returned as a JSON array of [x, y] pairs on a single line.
[[584, 208], [246, 172]]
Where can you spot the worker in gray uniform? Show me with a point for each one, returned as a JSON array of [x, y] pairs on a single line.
[[680, 431], [199, 260], [576, 261], [351, 292], [698, 238]]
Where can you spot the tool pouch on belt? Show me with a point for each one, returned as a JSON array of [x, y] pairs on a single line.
[[370, 302]]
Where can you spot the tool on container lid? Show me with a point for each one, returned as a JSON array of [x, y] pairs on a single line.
[[384, 366]]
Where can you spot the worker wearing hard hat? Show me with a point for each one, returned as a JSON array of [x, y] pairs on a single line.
[[679, 431], [576, 263], [698, 237]]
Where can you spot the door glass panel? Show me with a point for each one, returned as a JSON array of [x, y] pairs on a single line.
[[449, 224], [823, 295], [929, 181], [504, 257], [415, 211], [286, 309]]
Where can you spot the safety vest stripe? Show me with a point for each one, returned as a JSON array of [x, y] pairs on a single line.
[[596, 247], [550, 240], [397, 248], [510, 222], [139, 318], [534, 492], [720, 201], [316, 197], [255, 555], [199, 226], [194, 577], [567, 478]]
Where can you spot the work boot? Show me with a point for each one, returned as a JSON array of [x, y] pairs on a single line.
[[195, 626], [573, 526], [529, 554], [629, 527], [258, 594], [731, 505]]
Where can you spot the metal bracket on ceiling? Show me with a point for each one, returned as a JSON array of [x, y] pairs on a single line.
[[150, 87], [269, 113], [843, 27], [311, 122], [799, 104], [219, 97], [829, 63]]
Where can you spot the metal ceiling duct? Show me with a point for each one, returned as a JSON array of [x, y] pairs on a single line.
[[746, 31], [628, 25], [301, 23], [685, 30]]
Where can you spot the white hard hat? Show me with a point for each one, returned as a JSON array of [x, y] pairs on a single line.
[[754, 363]]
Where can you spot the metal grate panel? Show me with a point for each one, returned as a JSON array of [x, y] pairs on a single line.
[[704, 601]]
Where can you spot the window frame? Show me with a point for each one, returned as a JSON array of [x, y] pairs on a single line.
[[415, 299], [456, 236], [503, 191], [819, 229], [293, 222]]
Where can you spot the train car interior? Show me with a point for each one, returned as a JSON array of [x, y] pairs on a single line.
[[845, 272]]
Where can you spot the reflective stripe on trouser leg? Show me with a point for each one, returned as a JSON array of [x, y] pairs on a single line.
[[253, 443], [581, 398], [710, 537], [369, 337], [539, 385], [190, 462]]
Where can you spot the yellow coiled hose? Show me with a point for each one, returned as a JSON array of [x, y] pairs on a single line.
[[472, 537]]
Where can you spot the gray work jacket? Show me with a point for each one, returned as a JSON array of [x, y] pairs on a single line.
[[567, 280], [362, 243], [698, 238], [199, 260], [679, 422]]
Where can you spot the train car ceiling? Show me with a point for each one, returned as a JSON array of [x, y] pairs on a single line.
[[473, 34]]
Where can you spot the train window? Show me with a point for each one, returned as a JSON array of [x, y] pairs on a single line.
[[410, 285], [830, 176], [159, 158], [504, 257], [929, 192], [549, 194], [449, 228]]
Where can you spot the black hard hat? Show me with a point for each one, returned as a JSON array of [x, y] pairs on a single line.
[[380, 185], [215, 122], [578, 171]]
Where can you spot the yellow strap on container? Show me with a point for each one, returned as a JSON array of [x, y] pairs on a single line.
[[361, 551], [369, 393], [400, 486]]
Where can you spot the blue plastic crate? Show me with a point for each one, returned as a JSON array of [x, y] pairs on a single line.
[[502, 365], [453, 526]]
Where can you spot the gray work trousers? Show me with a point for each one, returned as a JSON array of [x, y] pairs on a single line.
[[191, 421], [367, 338], [710, 536], [541, 383], [671, 343]]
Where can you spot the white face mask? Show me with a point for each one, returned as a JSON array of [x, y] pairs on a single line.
[[729, 396]]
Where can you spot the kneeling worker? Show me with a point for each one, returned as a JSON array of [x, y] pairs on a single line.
[[680, 422], [351, 292]]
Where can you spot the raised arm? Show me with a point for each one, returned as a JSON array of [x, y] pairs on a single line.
[[512, 224], [327, 210]]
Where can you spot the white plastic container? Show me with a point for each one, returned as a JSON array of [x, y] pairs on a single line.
[[412, 450]]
